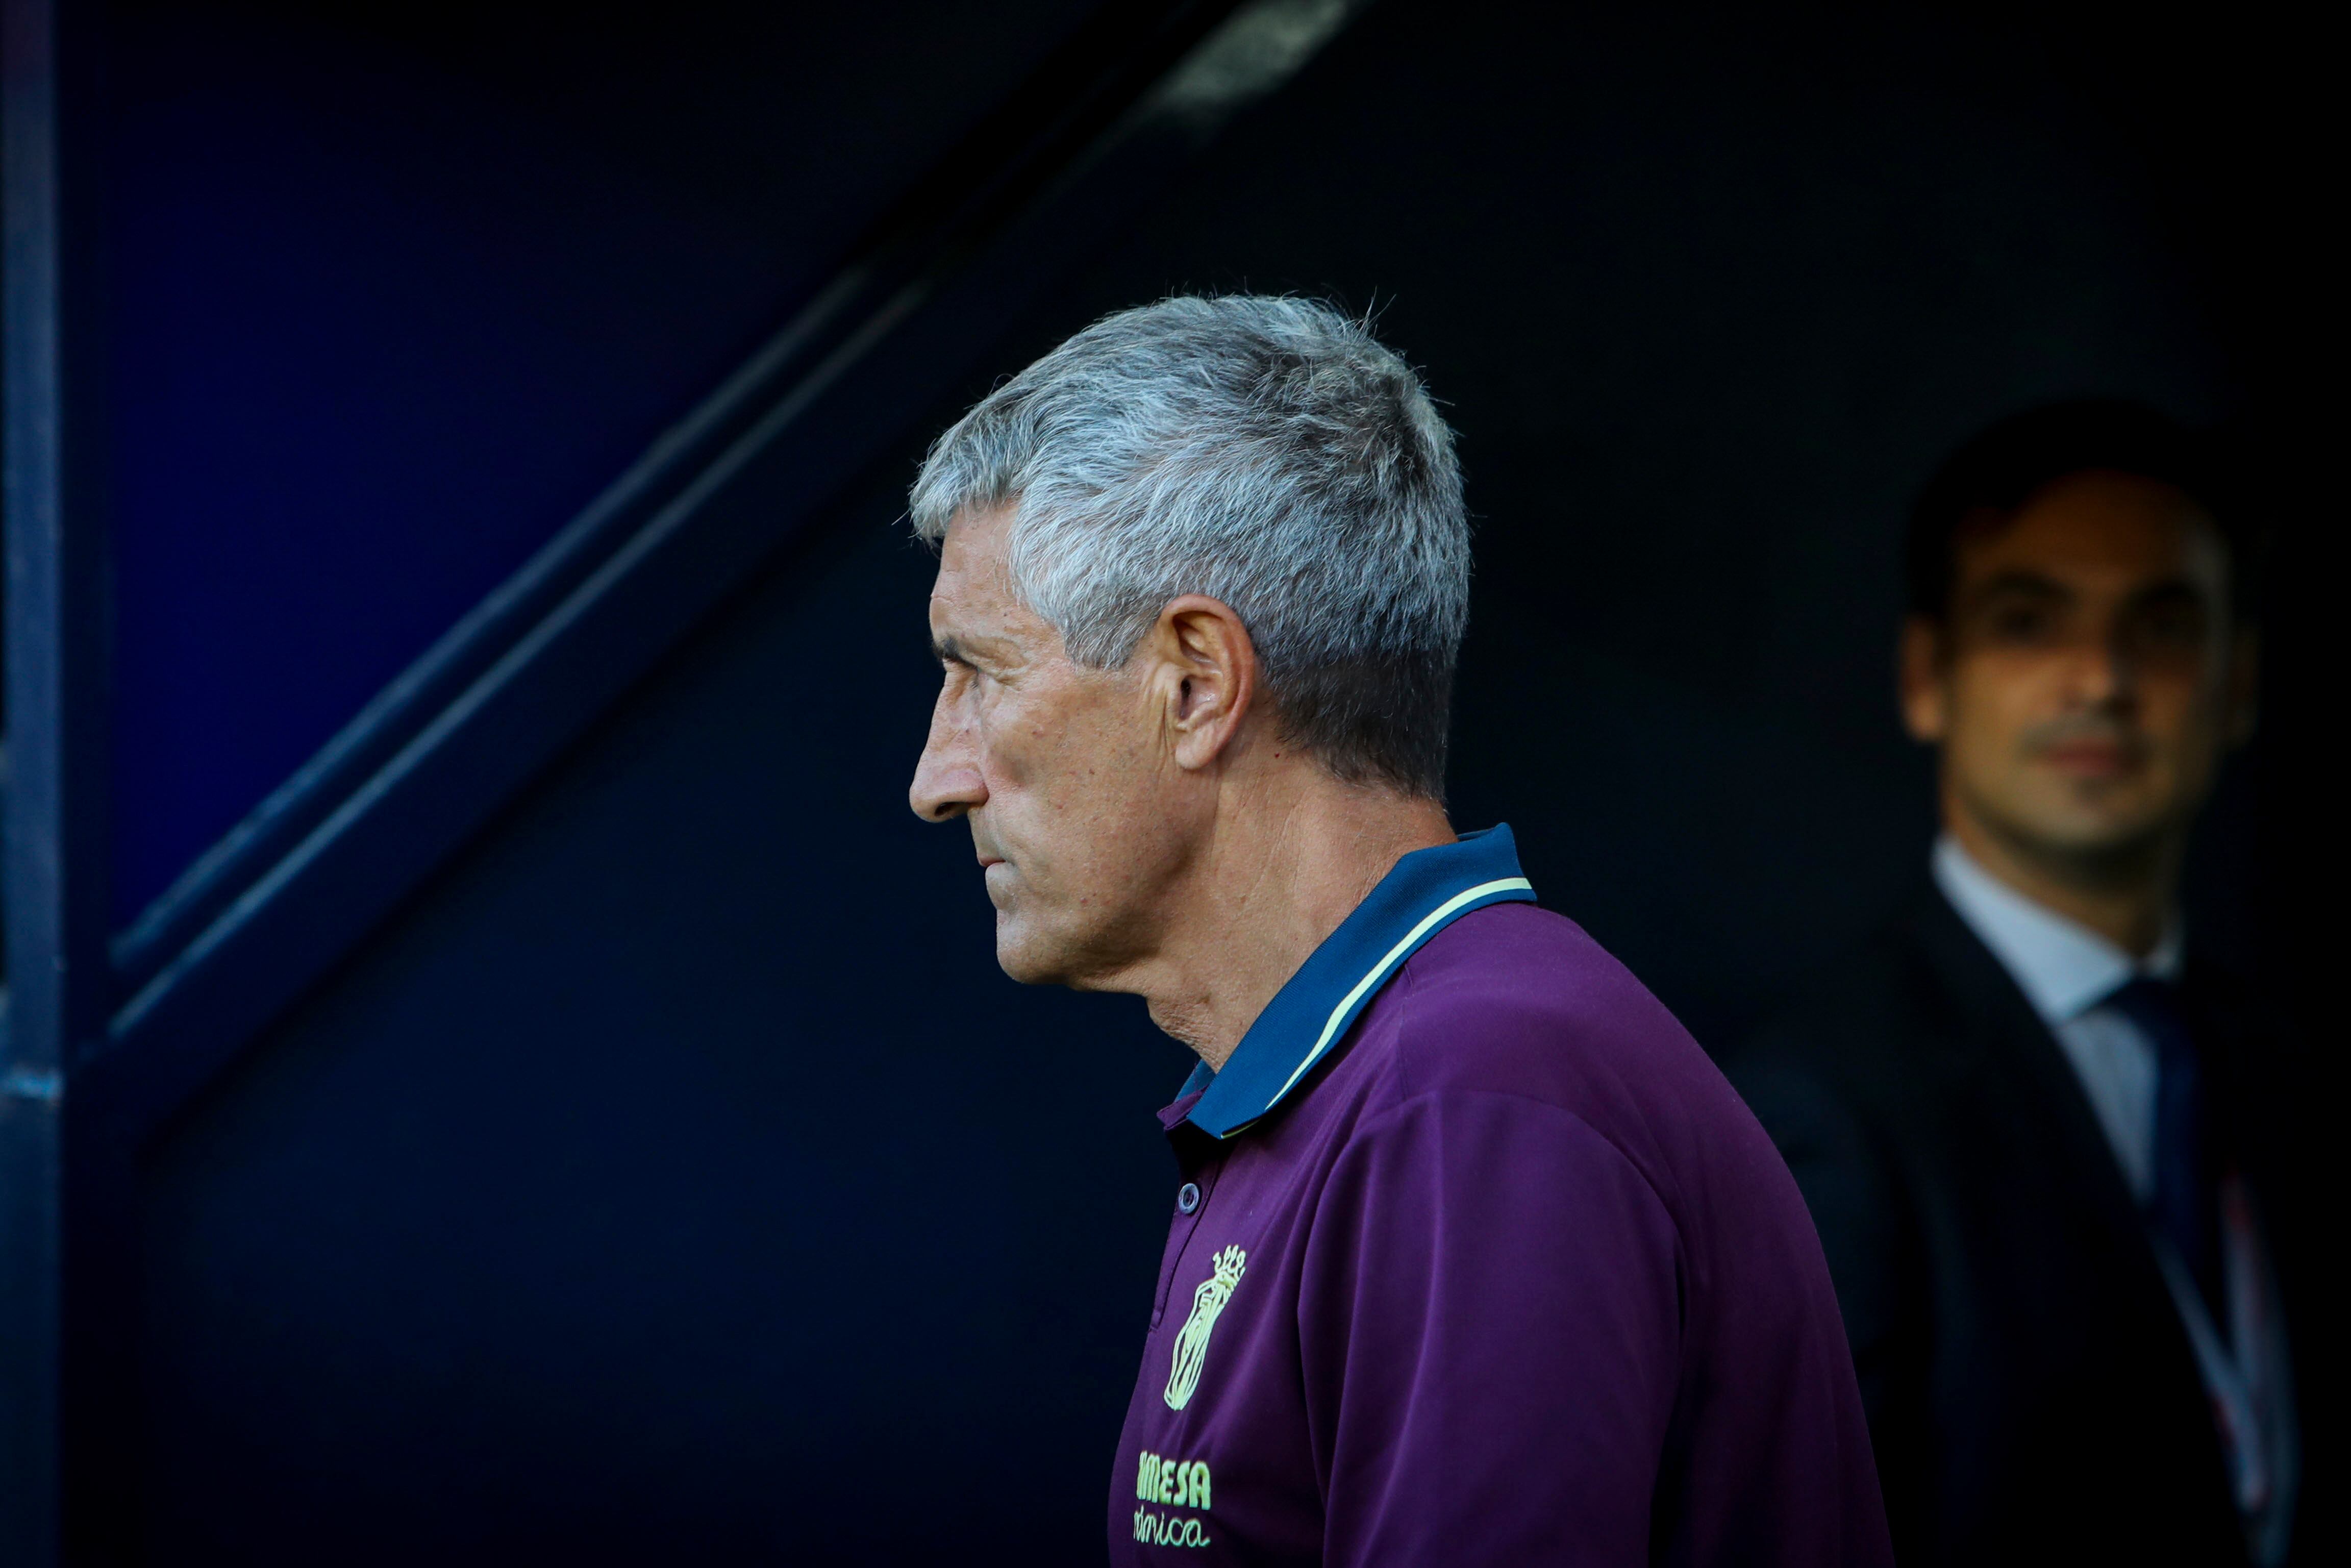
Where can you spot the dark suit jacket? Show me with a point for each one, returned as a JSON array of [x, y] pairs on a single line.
[[2031, 1393]]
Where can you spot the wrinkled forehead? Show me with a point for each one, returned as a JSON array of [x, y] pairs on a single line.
[[973, 555], [972, 596]]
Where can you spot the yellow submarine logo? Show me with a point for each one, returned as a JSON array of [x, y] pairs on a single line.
[[1192, 1344]]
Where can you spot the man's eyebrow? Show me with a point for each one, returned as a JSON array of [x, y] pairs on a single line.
[[2017, 580], [948, 650], [2164, 588]]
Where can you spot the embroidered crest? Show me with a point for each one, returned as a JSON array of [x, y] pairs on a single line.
[[1192, 1344]]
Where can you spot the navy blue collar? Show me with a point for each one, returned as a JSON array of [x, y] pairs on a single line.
[[1428, 890]]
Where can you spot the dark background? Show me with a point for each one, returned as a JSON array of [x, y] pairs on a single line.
[[675, 1178]]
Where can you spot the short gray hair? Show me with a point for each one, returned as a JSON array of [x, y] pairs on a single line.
[[1268, 452]]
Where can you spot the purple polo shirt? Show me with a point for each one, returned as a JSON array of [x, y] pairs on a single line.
[[1478, 1259]]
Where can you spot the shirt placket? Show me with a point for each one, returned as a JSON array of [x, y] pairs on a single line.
[[1200, 1158]]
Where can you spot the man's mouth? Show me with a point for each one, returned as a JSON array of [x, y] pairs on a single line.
[[2093, 759]]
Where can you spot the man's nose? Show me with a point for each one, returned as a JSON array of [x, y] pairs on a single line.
[[947, 780], [2103, 676]]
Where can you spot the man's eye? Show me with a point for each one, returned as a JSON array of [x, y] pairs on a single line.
[[2018, 623], [2172, 626]]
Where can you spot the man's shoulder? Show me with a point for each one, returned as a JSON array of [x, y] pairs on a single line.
[[1516, 976], [1518, 1010], [1897, 1005], [1519, 1000], [1915, 1049]]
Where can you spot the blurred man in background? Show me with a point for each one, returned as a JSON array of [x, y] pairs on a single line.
[[2032, 1130]]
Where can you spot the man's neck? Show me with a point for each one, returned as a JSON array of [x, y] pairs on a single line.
[[2125, 897], [1276, 878]]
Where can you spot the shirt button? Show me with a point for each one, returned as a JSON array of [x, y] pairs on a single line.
[[1187, 1197]]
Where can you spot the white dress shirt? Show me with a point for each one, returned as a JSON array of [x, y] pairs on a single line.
[[2064, 969]]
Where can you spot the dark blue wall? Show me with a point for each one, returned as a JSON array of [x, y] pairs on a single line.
[[680, 1180], [395, 291], [675, 1178]]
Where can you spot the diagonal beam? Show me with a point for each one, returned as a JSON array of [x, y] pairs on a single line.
[[314, 870]]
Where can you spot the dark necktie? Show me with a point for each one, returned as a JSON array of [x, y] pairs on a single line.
[[2184, 1209]]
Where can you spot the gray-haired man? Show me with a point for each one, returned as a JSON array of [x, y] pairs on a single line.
[[1474, 1258]]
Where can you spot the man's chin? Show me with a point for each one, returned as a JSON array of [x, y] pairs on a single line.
[[1050, 957], [1023, 957], [2090, 834], [1017, 968]]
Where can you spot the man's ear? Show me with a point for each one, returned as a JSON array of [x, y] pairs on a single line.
[[1926, 694], [1205, 681], [2244, 696]]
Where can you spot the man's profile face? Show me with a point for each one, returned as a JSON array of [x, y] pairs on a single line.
[[1074, 811], [2085, 683]]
